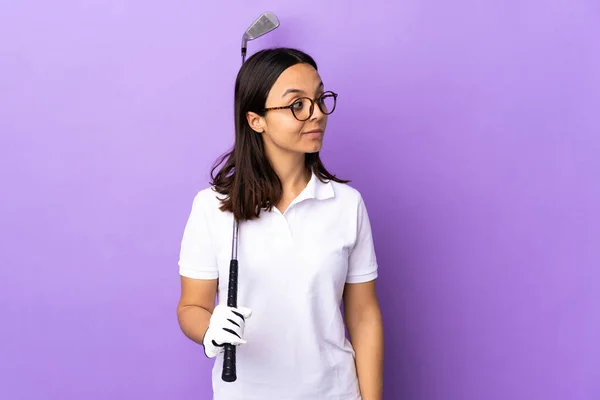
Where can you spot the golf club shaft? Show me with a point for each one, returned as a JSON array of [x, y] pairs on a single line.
[[229, 373]]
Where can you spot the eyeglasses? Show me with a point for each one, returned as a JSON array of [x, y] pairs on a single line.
[[303, 108]]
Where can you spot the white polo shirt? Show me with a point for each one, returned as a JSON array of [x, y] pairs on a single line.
[[292, 271]]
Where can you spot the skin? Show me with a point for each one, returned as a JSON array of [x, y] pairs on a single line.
[[284, 137], [286, 142]]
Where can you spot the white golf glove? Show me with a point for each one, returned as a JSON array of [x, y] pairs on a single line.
[[226, 326]]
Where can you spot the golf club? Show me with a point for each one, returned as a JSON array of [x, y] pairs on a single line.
[[261, 26]]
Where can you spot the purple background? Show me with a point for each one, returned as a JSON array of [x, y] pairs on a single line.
[[470, 127]]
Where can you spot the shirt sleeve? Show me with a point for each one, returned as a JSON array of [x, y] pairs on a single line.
[[362, 262], [197, 259]]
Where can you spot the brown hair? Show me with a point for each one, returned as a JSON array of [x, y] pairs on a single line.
[[247, 178]]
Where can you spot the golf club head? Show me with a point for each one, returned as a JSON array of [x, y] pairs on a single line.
[[264, 24]]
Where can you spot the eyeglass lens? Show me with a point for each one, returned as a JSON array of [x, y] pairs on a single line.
[[302, 107]]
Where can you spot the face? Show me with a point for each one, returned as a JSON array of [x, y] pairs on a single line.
[[281, 131]]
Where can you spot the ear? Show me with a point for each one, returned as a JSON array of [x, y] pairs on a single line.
[[256, 122]]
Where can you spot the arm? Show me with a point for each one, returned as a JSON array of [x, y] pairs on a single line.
[[365, 328], [198, 270], [195, 307]]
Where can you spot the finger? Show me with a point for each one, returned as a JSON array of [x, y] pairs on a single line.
[[228, 337], [235, 332], [244, 311], [234, 321], [213, 351]]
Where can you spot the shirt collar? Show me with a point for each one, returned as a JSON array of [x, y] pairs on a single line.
[[315, 189]]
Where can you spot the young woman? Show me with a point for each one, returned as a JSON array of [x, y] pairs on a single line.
[[305, 244]]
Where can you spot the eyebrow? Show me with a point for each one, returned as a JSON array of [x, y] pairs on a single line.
[[298, 90]]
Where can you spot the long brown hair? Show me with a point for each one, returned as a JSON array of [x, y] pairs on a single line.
[[247, 178]]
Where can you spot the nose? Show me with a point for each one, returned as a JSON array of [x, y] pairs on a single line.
[[317, 113]]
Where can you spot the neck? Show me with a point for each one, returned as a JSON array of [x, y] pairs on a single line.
[[291, 170]]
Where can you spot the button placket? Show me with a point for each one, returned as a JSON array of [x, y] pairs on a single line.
[[285, 219]]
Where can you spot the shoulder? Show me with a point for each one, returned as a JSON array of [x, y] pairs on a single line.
[[347, 194], [207, 201], [208, 195]]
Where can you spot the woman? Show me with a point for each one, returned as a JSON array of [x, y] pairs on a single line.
[[304, 245]]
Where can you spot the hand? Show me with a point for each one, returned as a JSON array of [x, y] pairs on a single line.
[[226, 326]]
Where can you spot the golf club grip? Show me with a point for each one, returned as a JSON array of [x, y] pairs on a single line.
[[229, 368]]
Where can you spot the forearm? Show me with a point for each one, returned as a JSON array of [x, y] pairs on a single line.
[[193, 321], [367, 339]]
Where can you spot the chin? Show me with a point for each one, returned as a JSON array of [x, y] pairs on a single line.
[[313, 149]]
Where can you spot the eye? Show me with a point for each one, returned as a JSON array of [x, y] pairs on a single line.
[[297, 105]]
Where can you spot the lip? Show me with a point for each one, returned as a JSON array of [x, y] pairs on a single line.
[[314, 132]]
